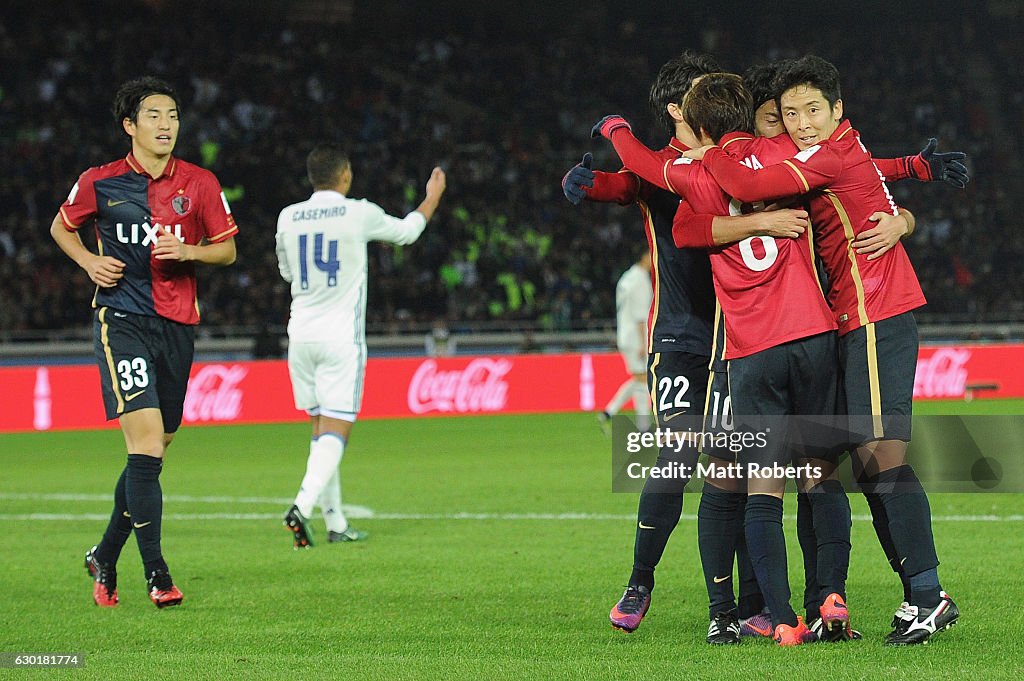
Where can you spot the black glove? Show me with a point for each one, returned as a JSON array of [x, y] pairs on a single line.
[[609, 124], [578, 177], [947, 166]]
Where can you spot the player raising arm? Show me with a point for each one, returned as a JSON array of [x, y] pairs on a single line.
[[321, 250]]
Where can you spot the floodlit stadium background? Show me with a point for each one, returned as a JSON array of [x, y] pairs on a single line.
[[497, 547]]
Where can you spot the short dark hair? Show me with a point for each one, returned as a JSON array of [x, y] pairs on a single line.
[[674, 80], [130, 94], [325, 164], [809, 70], [719, 103], [760, 79]]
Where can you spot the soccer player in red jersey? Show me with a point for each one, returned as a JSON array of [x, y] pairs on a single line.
[[872, 299], [775, 352], [155, 216], [680, 327]]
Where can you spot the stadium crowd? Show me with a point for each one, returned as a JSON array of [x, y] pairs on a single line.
[[505, 104]]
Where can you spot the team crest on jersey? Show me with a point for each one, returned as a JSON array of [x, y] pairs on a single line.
[[181, 205]]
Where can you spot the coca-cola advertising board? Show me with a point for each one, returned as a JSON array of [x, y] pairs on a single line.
[[68, 397]]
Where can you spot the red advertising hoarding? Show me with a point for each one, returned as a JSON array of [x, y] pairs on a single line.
[[68, 397]]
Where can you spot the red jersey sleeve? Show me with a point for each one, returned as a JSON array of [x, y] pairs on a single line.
[[809, 169], [641, 159], [622, 187], [80, 206], [215, 213], [691, 229], [893, 168]]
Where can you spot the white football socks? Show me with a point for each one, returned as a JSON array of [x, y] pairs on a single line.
[[622, 395], [330, 504], [324, 458]]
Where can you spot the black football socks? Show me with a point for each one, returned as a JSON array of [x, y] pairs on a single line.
[[657, 514], [830, 509], [910, 524], [145, 504], [750, 602], [880, 521], [767, 546], [118, 529], [809, 550], [718, 525]]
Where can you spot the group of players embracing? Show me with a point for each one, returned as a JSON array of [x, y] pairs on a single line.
[[742, 314]]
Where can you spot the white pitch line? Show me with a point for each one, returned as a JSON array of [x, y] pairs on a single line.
[[365, 513], [361, 512], [276, 501]]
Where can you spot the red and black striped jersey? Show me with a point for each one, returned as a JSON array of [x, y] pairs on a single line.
[[128, 209]]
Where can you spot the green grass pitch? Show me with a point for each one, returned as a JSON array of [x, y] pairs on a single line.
[[496, 550]]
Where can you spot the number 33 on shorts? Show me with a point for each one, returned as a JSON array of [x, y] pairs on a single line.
[[133, 373]]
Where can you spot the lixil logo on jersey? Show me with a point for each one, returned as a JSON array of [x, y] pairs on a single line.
[[145, 233]]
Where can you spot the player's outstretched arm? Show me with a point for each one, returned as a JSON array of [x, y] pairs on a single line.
[[403, 231], [928, 166], [436, 185], [103, 270], [635, 155], [583, 182]]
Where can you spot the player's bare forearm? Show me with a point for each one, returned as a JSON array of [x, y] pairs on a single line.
[[170, 247], [876, 241], [103, 270], [787, 223], [911, 221], [69, 242], [436, 185], [221, 253]]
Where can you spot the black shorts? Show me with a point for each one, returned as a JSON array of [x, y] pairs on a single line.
[[717, 403], [678, 383], [717, 422], [878, 362], [144, 363], [718, 361], [789, 392]]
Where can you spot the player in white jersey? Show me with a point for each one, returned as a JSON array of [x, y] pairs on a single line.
[[321, 251], [633, 296]]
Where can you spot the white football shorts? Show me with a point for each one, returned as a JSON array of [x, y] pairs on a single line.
[[327, 378]]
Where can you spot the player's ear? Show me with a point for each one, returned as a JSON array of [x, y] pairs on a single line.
[[837, 110], [128, 125], [675, 112]]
